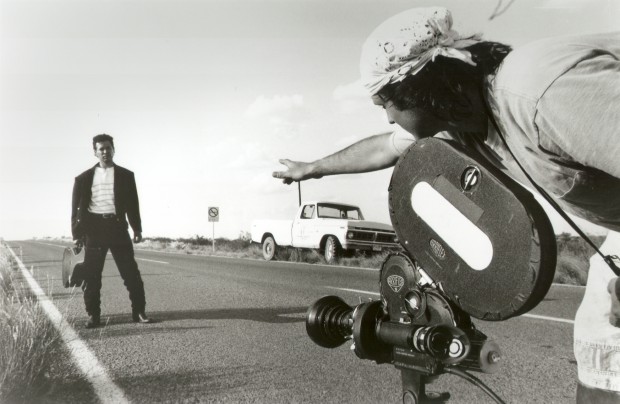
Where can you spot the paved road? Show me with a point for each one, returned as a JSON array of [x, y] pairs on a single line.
[[232, 330]]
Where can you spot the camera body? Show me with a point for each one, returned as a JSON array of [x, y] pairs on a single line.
[[413, 325]]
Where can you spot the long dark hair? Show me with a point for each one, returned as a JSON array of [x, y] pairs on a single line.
[[441, 86]]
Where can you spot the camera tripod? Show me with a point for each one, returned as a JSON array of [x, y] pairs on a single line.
[[421, 353], [414, 387]]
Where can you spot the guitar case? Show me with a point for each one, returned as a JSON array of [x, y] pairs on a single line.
[[72, 267]]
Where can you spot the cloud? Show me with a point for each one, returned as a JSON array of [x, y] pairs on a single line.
[[351, 98], [351, 90], [264, 106], [564, 4]]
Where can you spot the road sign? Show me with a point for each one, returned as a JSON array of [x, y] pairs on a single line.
[[214, 214]]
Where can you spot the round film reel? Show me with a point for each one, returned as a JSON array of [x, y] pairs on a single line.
[[475, 231]]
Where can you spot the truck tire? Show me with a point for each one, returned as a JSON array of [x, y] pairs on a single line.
[[269, 248], [332, 250]]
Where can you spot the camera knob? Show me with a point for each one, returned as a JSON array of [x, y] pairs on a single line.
[[415, 304], [456, 348]]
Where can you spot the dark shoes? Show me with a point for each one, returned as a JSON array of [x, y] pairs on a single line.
[[140, 317], [137, 316], [93, 322]]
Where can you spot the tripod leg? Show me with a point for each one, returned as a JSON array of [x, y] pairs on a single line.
[[411, 386], [414, 389]]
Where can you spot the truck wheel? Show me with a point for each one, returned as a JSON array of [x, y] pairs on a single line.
[[332, 250], [269, 248]]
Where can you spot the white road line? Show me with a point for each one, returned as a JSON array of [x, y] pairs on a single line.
[[536, 316], [286, 262], [53, 245], [354, 290], [159, 262], [290, 263], [141, 259], [107, 391], [568, 286], [559, 320]]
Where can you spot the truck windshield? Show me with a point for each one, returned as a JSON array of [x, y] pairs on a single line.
[[339, 212]]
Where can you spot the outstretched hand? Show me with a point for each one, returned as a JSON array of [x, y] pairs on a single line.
[[296, 171]]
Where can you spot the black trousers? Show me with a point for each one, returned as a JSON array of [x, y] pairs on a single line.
[[103, 234]]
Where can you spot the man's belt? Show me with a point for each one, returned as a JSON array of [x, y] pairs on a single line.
[[104, 215]]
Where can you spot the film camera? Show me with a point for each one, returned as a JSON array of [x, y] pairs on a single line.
[[476, 244]]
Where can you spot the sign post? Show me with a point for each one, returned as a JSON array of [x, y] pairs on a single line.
[[214, 216]]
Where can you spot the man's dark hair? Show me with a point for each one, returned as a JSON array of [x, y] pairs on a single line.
[[102, 138], [441, 86]]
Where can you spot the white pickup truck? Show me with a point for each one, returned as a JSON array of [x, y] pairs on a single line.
[[332, 228]]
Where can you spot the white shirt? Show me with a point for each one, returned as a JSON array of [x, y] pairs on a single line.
[[102, 199]]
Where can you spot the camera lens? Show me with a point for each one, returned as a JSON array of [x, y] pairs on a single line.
[[329, 322]]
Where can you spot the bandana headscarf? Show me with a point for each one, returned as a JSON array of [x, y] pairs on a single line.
[[406, 42]]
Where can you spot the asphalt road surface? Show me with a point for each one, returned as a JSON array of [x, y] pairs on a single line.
[[233, 330]]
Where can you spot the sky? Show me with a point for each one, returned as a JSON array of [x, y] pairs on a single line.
[[204, 97]]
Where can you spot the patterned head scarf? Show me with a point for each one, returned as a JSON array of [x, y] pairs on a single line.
[[406, 42]]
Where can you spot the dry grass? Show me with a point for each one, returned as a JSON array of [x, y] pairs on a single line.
[[571, 270], [28, 341], [244, 248]]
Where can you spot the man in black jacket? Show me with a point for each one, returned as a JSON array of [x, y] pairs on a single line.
[[104, 197]]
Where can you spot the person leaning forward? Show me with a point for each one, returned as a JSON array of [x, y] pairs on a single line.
[[555, 101], [104, 197]]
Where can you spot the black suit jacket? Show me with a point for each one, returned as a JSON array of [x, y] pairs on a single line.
[[125, 200]]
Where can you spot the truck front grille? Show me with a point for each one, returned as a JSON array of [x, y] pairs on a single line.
[[386, 238], [372, 236]]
